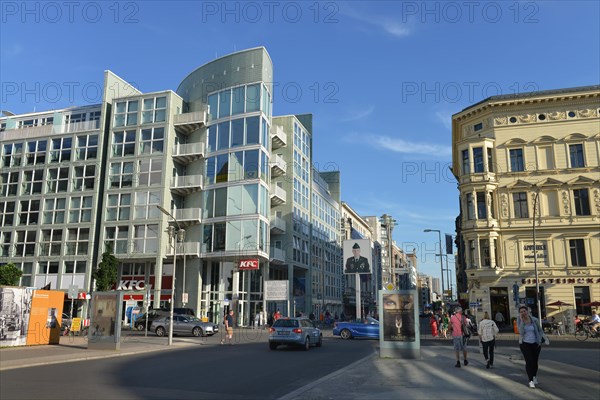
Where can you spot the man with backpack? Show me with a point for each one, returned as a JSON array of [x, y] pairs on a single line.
[[461, 332]]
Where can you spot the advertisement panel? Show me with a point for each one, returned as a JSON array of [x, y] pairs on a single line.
[[357, 256], [398, 317], [276, 290], [15, 307], [248, 264], [105, 328], [46, 317]]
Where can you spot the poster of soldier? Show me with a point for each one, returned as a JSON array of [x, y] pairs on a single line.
[[357, 256]]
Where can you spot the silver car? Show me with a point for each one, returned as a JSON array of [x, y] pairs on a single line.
[[295, 331], [184, 325]]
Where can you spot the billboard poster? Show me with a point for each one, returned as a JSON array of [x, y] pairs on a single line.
[[15, 307], [398, 317], [104, 315], [45, 317], [357, 256]]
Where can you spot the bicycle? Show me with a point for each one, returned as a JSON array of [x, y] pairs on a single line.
[[583, 331]]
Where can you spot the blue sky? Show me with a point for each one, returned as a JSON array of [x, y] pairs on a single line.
[[381, 78]]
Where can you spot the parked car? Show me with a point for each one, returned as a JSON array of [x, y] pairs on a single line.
[[140, 319], [295, 331], [180, 311], [184, 325], [366, 328]]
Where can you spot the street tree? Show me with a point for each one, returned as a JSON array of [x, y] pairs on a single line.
[[10, 275], [106, 273]]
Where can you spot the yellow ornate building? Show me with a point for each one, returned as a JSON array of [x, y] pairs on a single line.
[[529, 164]]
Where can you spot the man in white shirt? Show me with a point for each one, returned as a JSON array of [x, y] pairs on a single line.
[[499, 318], [487, 331]]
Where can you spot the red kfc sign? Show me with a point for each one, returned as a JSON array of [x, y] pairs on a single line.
[[248, 264]]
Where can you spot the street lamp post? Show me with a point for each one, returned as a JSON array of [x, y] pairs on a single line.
[[441, 261], [537, 280], [174, 236]]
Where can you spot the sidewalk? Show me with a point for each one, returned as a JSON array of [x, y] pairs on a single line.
[[435, 377], [431, 377]]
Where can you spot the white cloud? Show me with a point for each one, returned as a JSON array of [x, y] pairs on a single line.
[[407, 147], [360, 115], [445, 118], [386, 24]]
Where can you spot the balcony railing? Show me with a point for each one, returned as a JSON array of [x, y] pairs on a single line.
[[189, 122], [187, 216], [277, 225], [278, 165], [279, 137], [81, 126], [278, 195], [188, 152], [277, 255], [186, 184], [184, 249]]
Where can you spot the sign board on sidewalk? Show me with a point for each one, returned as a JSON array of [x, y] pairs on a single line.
[[276, 290], [76, 325], [73, 291]]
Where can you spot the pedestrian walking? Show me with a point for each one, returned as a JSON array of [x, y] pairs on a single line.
[[459, 326], [487, 331], [445, 323], [530, 342], [499, 319], [433, 326], [229, 327], [257, 320]]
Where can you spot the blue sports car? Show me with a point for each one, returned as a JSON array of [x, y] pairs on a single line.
[[365, 328]]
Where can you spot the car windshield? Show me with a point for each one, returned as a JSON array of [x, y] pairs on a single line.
[[286, 323]]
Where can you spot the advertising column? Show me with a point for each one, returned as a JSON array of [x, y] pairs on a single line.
[[399, 324]]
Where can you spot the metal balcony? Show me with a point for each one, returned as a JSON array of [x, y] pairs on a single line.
[[277, 256], [81, 126], [189, 122], [184, 249], [187, 216], [278, 195], [277, 225], [278, 165], [188, 152], [278, 136], [186, 184]]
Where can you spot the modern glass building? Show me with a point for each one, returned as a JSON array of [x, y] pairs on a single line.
[[81, 181]]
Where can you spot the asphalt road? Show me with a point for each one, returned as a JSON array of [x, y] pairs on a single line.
[[206, 371]]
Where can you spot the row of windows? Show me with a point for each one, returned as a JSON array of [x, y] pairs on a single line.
[[54, 180], [50, 242], [50, 268], [153, 110], [149, 141], [576, 252], [36, 152], [118, 207], [239, 100], [517, 161], [54, 212], [144, 239], [246, 235], [235, 200], [238, 132], [146, 172], [477, 206], [237, 166]]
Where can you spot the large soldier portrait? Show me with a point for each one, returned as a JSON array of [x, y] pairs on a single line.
[[357, 264]]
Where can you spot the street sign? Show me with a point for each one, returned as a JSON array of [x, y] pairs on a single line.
[[389, 286], [76, 324], [474, 304], [184, 298], [73, 291]]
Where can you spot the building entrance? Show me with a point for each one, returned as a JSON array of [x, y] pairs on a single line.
[[499, 303]]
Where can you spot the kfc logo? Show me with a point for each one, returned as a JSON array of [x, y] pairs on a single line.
[[248, 264], [131, 285]]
